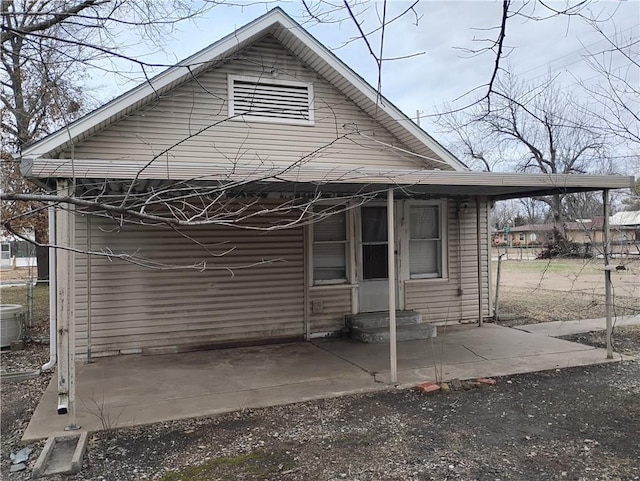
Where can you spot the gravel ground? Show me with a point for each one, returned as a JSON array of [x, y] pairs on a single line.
[[626, 339], [579, 424], [528, 427]]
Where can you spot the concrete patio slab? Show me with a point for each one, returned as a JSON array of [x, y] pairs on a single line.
[[134, 390]]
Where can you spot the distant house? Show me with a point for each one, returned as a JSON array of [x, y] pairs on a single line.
[[17, 252], [624, 231], [626, 228]]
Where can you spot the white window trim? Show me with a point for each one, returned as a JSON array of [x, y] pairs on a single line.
[[444, 251], [347, 243], [271, 120]]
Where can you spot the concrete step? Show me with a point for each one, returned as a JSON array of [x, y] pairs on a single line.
[[372, 320], [409, 332]]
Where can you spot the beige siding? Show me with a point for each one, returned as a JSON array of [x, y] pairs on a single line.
[[335, 303], [135, 308], [190, 123], [440, 300]]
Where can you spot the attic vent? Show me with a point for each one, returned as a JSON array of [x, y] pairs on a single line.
[[270, 100]]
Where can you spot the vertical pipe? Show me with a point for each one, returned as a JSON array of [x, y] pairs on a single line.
[[66, 311], [479, 252], [607, 272], [89, 316], [307, 275], [53, 292], [487, 222], [496, 305], [29, 305], [393, 359], [352, 232]]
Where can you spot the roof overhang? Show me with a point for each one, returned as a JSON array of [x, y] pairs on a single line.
[[323, 178]]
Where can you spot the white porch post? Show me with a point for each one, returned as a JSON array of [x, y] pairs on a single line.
[[607, 271], [391, 258], [66, 310]]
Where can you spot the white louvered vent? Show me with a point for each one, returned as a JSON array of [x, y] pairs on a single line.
[[270, 100]]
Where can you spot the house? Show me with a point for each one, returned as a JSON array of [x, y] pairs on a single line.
[[260, 191], [626, 227], [17, 252], [583, 232], [624, 233]]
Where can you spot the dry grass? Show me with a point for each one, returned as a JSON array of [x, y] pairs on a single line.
[[564, 289], [522, 307]]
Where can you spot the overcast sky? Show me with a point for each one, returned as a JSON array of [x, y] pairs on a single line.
[[439, 72]]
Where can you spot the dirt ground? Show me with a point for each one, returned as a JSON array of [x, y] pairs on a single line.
[[574, 424]]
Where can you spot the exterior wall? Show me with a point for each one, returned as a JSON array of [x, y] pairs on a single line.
[[328, 306], [137, 309], [196, 115], [455, 299], [438, 300]]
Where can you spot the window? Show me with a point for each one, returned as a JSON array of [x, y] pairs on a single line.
[[270, 100], [521, 236], [330, 249], [425, 241], [375, 248]]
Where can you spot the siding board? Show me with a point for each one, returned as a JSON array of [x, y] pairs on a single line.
[[134, 307], [199, 110], [335, 304], [438, 300]]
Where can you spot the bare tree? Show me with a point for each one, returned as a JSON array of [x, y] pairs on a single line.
[[539, 128], [532, 211], [632, 202], [617, 91], [46, 50]]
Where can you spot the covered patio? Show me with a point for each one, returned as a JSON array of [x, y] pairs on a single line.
[[135, 390]]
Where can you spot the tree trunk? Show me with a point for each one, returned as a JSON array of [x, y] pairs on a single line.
[[42, 258], [42, 255]]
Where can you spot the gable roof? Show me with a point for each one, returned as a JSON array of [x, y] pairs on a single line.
[[293, 37]]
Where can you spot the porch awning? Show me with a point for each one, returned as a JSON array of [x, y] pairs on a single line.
[[313, 176]]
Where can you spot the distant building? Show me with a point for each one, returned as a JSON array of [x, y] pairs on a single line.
[[624, 230], [17, 252]]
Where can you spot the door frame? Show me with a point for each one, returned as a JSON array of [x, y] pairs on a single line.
[[398, 221]]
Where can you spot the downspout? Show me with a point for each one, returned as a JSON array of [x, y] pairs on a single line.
[[479, 254], [307, 256], [53, 293], [89, 248]]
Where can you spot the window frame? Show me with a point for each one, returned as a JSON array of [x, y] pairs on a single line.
[[443, 239], [347, 242], [232, 78]]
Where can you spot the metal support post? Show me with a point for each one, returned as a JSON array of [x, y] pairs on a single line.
[[391, 258], [607, 272]]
